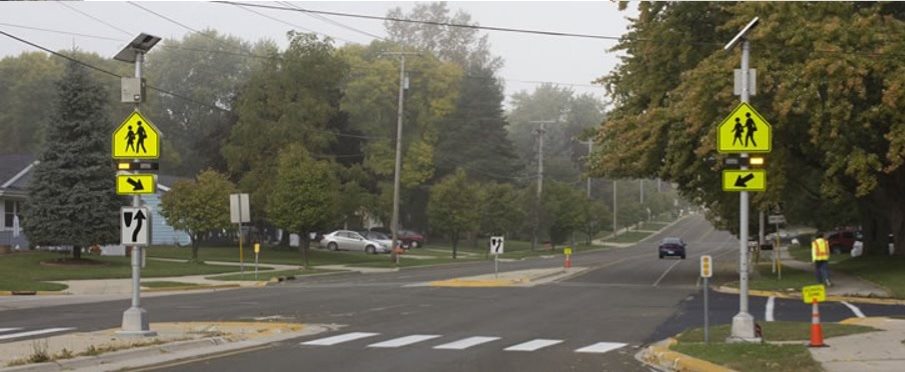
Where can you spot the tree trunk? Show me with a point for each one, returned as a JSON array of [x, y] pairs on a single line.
[[196, 243], [455, 243], [76, 252], [284, 239], [306, 242]]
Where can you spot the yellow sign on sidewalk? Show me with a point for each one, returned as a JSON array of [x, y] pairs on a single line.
[[135, 184], [136, 138], [567, 251], [813, 293], [744, 130]]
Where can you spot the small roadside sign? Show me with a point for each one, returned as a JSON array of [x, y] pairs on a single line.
[[812, 293], [135, 226], [744, 130], [496, 245], [776, 219], [238, 208], [136, 138], [257, 248], [567, 251], [706, 266], [744, 180], [135, 184]]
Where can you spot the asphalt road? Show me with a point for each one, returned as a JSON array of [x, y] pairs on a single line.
[[594, 321]]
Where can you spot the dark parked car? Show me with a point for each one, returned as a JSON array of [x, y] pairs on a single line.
[[672, 247]]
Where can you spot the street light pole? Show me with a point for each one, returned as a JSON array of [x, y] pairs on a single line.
[[743, 322], [398, 168]]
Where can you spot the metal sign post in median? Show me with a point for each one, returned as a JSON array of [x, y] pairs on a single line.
[[496, 249], [239, 214], [706, 273], [135, 140]]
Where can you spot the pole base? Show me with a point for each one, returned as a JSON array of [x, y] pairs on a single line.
[[743, 329], [135, 323]]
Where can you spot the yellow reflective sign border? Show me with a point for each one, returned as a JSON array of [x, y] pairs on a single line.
[[744, 180], [567, 251], [135, 184], [744, 130], [136, 138], [813, 292]]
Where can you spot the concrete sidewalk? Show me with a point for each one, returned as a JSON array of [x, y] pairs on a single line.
[[91, 287], [174, 342], [843, 284], [871, 351]]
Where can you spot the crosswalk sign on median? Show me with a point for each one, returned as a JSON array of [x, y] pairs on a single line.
[[136, 138]]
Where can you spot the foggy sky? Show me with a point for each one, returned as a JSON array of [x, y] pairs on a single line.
[[527, 57]]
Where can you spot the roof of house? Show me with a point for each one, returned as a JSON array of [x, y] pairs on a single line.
[[13, 174]]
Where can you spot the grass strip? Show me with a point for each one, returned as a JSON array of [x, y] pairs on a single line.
[[167, 284], [753, 357], [777, 331], [249, 275]]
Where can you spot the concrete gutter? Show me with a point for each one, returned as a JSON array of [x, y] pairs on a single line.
[[797, 296], [660, 357]]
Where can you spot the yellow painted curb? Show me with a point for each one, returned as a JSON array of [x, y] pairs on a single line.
[[36, 293], [797, 296], [660, 355], [189, 288], [478, 282]]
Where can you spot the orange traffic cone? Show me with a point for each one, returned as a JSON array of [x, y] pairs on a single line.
[[816, 329]]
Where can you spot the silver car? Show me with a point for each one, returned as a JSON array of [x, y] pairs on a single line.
[[352, 241]]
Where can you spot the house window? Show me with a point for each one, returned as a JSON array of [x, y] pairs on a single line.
[[11, 208]]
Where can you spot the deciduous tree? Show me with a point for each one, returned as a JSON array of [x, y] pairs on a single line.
[[199, 206]]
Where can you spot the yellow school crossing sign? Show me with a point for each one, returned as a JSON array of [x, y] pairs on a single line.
[[744, 130], [136, 138], [744, 180]]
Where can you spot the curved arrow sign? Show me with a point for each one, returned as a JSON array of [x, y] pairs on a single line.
[[136, 231]]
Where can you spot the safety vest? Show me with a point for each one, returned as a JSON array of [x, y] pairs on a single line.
[[820, 250]]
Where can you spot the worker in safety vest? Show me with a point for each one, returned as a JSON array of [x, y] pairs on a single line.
[[820, 255]]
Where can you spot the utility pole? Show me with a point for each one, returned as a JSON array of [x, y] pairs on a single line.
[[135, 319], [540, 176], [641, 188], [395, 221], [743, 322], [615, 232], [590, 149]]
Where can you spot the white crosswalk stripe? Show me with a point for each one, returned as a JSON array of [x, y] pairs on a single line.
[[10, 336], [533, 345], [466, 343], [600, 347], [329, 341], [404, 341]]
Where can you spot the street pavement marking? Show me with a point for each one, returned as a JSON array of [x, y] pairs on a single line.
[[403, 341], [2, 330], [600, 347], [466, 343], [666, 272], [854, 309], [533, 345], [33, 333], [769, 312], [340, 338]]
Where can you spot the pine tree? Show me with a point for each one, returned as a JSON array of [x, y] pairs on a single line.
[[72, 200]]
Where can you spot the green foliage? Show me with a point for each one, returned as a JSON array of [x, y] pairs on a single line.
[[304, 197], [562, 210], [199, 207], [501, 209], [595, 217], [207, 67], [293, 99], [832, 95], [72, 200], [453, 208]]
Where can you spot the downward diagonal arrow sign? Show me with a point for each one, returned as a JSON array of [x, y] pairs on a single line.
[[742, 181]]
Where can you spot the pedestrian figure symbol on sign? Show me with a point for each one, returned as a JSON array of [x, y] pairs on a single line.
[[141, 138], [130, 140], [496, 245], [749, 125]]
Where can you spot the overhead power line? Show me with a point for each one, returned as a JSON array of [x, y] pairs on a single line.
[[433, 23], [335, 23], [74, 9]]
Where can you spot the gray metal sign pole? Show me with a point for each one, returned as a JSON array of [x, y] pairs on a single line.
[[743, 322], [706, 311], [135, 319]]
